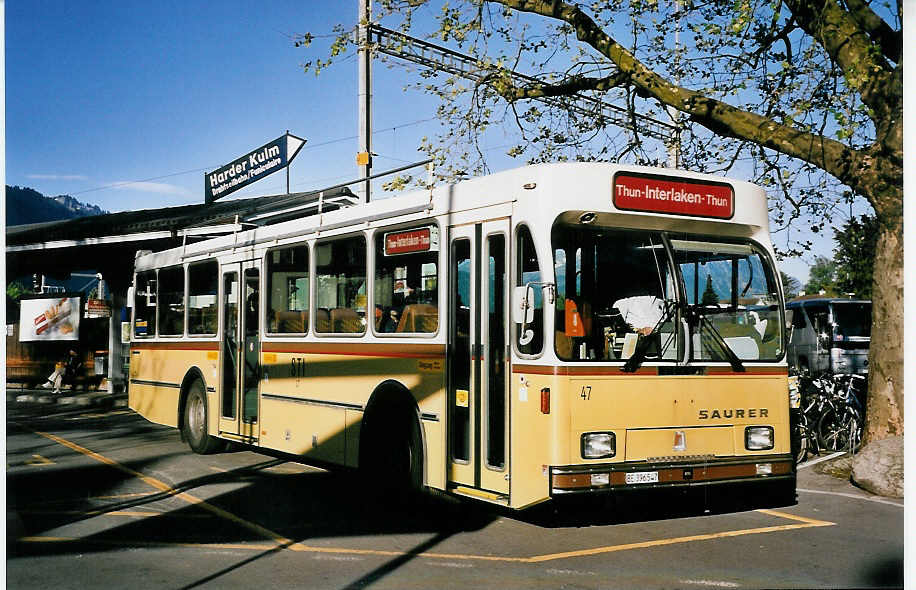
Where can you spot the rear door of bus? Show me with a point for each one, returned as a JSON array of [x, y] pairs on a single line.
[[240, 350]]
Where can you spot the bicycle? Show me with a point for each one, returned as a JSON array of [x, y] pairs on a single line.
[[841, 425], [808, 393]]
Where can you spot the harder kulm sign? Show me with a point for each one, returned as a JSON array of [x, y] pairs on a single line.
[[251, 167]]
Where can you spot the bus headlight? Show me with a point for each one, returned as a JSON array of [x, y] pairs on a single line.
[[758, 438], [598, 445]]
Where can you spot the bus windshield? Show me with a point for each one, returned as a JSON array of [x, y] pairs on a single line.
[[731, 288], [852, 320], [622, 296]]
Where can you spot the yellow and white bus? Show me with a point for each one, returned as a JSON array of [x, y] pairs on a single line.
[[558, 329]]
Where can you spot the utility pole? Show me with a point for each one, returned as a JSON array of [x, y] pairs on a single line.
[[674, 144], [364, 153]]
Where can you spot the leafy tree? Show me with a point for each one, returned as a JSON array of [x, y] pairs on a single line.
[[854, 255], [802, 96], [790, 285], [822, 277], [15, 290]]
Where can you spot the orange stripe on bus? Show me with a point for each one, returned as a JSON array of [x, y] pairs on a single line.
[[358, 349], [182, 345], [571, 371], [749, 371]]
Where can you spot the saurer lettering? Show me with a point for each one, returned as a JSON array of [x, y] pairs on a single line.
[[717, 413]]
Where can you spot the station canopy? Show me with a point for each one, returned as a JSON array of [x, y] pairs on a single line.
[[108, 243]]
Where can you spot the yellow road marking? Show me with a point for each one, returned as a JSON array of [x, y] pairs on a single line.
[[119, 496], [253, 547], [98, 415], [165, 488], [38, 460], [140, 513], [809, 521], [470, 557], [673, 541], [280, 540]]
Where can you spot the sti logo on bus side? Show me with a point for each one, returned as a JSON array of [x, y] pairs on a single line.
[[733, 413]]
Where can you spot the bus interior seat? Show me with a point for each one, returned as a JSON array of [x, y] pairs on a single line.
[[564, 345], [770, 344], [345, 321], [322, 321], [419, 317], [745, 347], [291, 322]]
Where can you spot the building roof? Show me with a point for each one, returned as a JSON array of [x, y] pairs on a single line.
[[108, 243]]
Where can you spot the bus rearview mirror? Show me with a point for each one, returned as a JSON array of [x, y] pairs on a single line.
[[523, 304]]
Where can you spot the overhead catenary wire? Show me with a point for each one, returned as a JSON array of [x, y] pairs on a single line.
[[213, 167]]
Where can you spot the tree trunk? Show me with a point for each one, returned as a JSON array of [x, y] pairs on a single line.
[[885, 356]]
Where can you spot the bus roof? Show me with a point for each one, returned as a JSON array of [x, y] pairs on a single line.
[[537, 194]]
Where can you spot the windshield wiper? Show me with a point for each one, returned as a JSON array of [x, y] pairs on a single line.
[[639, 355], [696, 317]]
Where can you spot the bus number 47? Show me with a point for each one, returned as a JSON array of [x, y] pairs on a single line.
[[586, 392]]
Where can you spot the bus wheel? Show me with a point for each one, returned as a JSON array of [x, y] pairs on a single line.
[[195, 421], [392, 456]]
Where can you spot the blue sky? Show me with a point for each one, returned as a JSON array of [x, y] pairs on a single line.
[[105, 93], [125, 104]]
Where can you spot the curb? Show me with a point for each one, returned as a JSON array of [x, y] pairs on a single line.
[[87, 399]]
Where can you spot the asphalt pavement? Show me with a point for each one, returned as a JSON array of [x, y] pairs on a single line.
[[96, 492]]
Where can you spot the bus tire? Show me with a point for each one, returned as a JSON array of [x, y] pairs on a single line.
[[391, 454], [195, 421]]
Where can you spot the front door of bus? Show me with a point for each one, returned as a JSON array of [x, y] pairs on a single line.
[[240, 350], [478, 417]]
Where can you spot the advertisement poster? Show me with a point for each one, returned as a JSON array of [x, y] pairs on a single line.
[[49, 319]]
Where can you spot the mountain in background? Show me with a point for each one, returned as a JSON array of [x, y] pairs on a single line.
[[26, 205]]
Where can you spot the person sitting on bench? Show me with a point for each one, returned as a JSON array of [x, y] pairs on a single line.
[[64, 371]]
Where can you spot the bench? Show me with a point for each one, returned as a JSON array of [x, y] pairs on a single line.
[[32, 374]]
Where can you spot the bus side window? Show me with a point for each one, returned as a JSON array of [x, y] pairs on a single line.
[[171, 297], [528, 271], [203, 290], [145, 305], [341, 280], [406, 294], [288, 290]]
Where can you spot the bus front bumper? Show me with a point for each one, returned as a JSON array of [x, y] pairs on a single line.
[[595, 478]]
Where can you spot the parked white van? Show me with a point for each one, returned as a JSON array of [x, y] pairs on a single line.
[[829, 335]]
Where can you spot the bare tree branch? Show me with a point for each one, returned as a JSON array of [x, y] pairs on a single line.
[[571, 85]]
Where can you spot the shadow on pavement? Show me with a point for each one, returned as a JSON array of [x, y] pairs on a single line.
[[653, 505]]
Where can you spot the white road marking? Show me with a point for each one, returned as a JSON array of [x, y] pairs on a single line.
[[821, 460], [322, 557], [853, 496], [712, 583], [561, 572]]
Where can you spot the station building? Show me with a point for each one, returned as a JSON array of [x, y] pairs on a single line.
[[38, 335]]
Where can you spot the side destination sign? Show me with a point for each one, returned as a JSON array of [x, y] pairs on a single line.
[[251, 167], [407, 242], [659, 194]]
